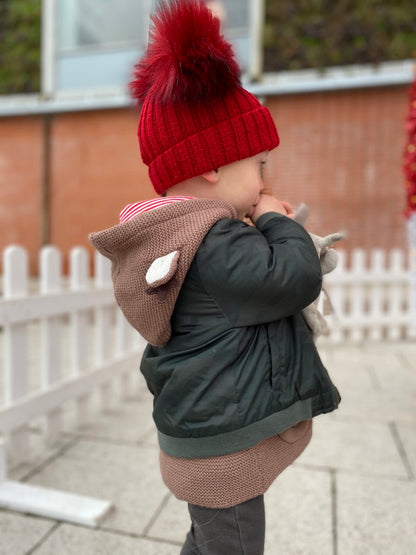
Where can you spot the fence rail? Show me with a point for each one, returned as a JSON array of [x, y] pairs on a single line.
[[62, 342]]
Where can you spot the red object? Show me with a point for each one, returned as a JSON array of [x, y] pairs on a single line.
[[195, 115], [410, 153], [134, 209]]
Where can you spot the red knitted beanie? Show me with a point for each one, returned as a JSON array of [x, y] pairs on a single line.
[[195, 115]]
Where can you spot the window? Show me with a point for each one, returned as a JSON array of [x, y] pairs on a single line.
[[99, 41]]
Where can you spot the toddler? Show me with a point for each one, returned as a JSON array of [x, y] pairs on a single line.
[[230, 361]]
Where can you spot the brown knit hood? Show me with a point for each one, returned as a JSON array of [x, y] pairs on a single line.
[[150, 257]]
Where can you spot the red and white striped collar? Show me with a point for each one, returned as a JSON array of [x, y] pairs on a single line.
[[135, 208]]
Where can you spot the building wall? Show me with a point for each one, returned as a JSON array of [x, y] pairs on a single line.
[[96, 171], [340, 152], [20, 183]]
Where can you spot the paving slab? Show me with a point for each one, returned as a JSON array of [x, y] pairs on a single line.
[[380, 407], [19, 533], [395, 371], [407, 438], [352, 491], [40, 452], [397, 359], [395, 378], [383, 391], [375, 516], [151, 440], [347, 376], [408, 353], [293, 526], [299, 514], [127, 475], [129, 421], [361, 447], [122, 419], [172, 523], [116, 402], [73, 540]]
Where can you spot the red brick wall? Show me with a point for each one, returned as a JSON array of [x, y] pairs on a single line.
[[340, 152], [20, 183], [96, 170]]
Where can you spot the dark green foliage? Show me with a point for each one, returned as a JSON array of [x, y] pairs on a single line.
[[19, 46], [320, 33]]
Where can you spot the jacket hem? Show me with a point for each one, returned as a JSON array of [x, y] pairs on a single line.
[[237, 440]]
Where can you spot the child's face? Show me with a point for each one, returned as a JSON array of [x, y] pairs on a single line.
[[241, 183]]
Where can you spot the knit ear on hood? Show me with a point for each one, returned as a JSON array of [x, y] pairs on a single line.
[[187, 58]]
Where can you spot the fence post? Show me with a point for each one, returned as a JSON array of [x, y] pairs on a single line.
[[79, 278], [376, 300], [51, 328], [103, 322], [121, 347], [17, 310], [336, 291], [396, 296], [15, 262], [357, 295]]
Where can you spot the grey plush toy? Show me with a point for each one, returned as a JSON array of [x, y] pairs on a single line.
[[329, 260]]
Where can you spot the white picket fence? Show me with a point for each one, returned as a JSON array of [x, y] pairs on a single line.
[[61, 343], [371, 297], [67, 339]]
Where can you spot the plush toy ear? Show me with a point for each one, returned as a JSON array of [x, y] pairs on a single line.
[[329, 261], [322, 243], [329, 240]]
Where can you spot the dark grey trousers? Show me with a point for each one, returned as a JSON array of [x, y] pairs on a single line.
[[236, 531]]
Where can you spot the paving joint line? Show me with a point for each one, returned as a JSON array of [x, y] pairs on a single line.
[[373, 377], [43, 464], [157, 513], [43, 539], [404, 360], [147, 435], [111, 441], [402, 451], [135, 536], [58, 523], [334, 510], [351, 472]]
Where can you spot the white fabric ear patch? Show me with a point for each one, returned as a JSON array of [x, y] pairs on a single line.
[[162, 269]]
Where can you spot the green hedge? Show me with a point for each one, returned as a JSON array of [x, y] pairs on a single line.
[[297, 34], [320, 33], [19, 46]]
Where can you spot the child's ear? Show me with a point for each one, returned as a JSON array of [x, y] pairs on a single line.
[[211, 176]]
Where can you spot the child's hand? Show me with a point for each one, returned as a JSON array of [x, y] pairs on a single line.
[[267, 203]]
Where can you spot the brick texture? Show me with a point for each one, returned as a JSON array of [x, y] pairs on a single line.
[[341, 153], [20, 183]]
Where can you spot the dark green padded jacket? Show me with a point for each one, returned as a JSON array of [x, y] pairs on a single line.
[[240, 365]]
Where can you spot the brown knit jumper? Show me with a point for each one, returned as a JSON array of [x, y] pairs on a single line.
[[150, 255]]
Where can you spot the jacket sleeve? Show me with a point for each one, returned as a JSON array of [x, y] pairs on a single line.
[[259, 274]]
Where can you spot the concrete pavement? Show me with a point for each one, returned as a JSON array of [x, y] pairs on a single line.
[[352, 492]]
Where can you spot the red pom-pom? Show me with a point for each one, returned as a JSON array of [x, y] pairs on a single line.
[[187, 58]]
